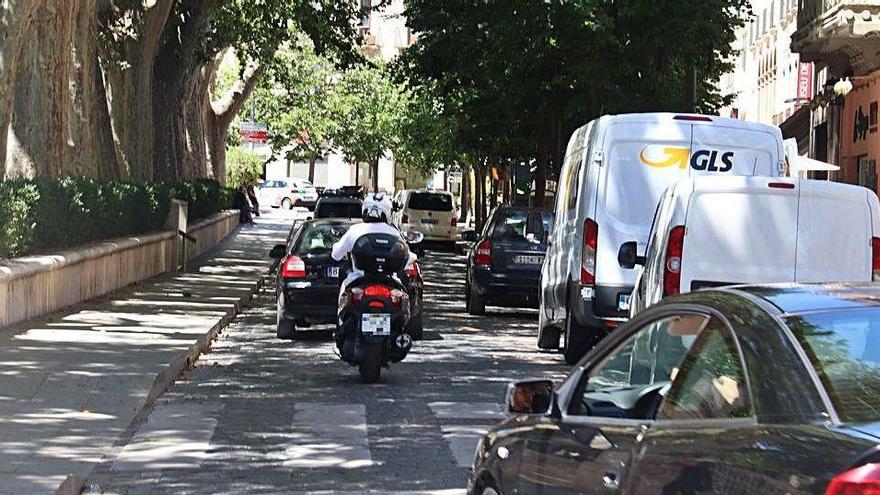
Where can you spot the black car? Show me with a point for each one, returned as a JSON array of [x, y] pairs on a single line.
[[338, 207], [504, 264], [308, 279], [753, 390]]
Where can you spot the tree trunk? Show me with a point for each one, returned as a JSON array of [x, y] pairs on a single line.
[[16, 16], [374, 171], [219, 114], [465, 194], [480, 202], [505, 185], [312, 159]]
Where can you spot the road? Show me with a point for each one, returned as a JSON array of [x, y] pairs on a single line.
[[260, 415]]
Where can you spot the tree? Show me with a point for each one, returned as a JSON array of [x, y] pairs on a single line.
[[368, 106], [244, 167]]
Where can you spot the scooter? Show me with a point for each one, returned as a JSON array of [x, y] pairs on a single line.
[[375, 308]]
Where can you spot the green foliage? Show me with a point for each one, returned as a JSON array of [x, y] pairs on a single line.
[[243, 167], [42, 214]]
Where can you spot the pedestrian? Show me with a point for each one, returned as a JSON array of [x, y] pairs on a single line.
[[252, 195], [240, 203]]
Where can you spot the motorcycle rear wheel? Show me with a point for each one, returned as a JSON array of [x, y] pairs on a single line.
[[371, 366]]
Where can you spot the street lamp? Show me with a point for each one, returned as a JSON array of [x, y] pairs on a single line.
[[842, 87]]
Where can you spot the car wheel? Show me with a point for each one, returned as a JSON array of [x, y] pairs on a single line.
[[415, 327], [285, 328], [476, 304], [286, 204]]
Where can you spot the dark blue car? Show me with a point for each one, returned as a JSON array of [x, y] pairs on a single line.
[[504, 264]]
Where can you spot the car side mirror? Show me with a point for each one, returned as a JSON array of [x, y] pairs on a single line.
[[529, 397], [470, 236], [628, 256], [278, 252]]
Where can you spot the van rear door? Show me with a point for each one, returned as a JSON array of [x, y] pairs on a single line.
[[735, 150], [834, 233], [740, 230]]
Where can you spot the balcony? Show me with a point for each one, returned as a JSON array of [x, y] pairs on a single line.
[[841, 34]]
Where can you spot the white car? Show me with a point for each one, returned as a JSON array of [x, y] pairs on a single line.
[[288, 193], [616, 169], [432, 213], [714, 231]]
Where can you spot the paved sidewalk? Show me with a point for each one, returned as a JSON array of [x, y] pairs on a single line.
[[71, 383]]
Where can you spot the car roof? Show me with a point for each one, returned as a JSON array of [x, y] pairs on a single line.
[[790, 299], [329, 222], [524, 208], [430, 191], [339, 199]]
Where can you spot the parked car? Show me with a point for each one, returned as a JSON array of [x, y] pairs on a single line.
[[504, 265], [752, 389], [430, 212], [616, 168], [308, 279], [288, 193], [713, 231], [338, 207]]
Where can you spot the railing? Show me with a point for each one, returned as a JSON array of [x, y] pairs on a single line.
[[810, 10]]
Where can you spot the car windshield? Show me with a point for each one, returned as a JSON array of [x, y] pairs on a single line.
[[844, 348], [519, 225], [430, 201], [319, 239], [338, 209]]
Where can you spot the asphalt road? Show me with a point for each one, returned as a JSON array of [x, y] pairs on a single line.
[[260, 415]]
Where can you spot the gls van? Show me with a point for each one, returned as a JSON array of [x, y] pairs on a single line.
[[616, 169], [714, 231]]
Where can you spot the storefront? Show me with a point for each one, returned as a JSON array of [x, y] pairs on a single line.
[[859, 136]]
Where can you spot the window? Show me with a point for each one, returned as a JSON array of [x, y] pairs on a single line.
[[711, 383], [516, 225], [430, 202], [319, 239], [844, 348], [630, 381]]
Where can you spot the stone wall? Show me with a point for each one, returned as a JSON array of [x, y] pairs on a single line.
[[36, 285]]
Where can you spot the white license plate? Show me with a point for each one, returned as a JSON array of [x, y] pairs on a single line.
[[623, 302], [376, 324], [528, 260], [430, 221], [333, 272]]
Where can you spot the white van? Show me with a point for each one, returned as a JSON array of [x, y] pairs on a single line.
[[432, 213], [714, 231], [616, 169]]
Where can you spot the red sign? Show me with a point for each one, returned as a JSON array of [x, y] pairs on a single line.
[[805, 81], [253, 132]]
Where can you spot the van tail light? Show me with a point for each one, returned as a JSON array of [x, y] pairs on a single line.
[[875, 259], [672, 263], [693, 118], [780, 185], [483, 254], [453, 222], [862, 480], [588, 255], [404, 219], [293, 267], [414, 270]]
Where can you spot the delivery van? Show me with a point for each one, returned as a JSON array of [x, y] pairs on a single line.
[[616, 169], [716, 231]]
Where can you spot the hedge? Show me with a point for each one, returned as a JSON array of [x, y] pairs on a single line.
[[37, 215]]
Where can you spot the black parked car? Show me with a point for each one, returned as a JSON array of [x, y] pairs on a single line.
[[504, 264], [308, 279], [753, 390]]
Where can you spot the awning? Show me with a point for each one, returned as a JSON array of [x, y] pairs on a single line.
[[801, 164]]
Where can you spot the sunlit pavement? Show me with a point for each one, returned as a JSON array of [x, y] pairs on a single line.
[[260, 415], [70, 383]]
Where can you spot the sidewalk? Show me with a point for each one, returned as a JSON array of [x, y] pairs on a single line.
[[71, 383]]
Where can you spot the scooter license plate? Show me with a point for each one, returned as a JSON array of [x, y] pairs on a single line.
[[376, 324]]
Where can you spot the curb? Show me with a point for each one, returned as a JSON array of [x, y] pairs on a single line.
[[74, 485]]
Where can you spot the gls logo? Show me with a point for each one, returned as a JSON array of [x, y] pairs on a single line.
[[667, 156]]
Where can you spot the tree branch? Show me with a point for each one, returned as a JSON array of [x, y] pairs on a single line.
[[228, 106]]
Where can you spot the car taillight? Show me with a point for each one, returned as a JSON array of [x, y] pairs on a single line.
[[483, 254], [404, 219], [672, 263], [862, 480], [293, 267], [453, 222], [588, 256], [875, 259], [414, 270], [377, 291]]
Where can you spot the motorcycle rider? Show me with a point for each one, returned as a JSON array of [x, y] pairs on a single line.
[[376, 213]]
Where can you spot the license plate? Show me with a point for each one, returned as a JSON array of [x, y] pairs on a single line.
[[376, 324], [623, 302], [333, 272], [430, 221], [528, 260]]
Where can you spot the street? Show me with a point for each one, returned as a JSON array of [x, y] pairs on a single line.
[[261, 415]]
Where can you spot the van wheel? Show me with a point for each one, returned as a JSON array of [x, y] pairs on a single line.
[[577, 340], [548, 336], [476, 304]]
